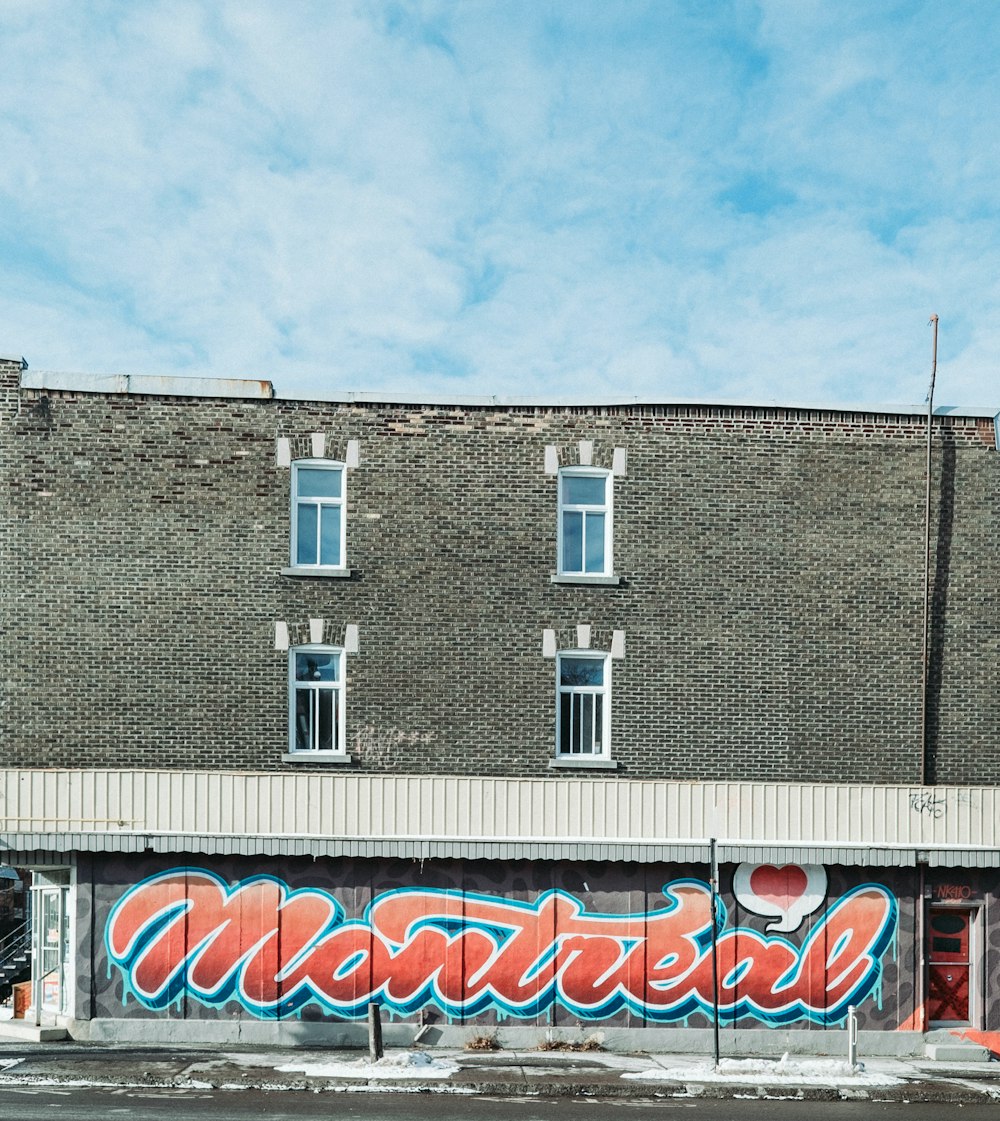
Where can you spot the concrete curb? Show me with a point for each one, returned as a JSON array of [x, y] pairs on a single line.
[[569, 1086], [546, 1074]]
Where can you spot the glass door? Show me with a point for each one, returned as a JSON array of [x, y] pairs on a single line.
[[52, 943]]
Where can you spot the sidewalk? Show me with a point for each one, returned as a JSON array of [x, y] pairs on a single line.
[[496, 1073]]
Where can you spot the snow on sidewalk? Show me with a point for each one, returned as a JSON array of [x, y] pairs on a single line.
[[785, 1071], [396, 1065]]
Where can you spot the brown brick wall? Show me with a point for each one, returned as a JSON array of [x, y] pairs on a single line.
[[771, 564]]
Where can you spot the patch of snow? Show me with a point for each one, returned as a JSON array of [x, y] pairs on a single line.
[[769, 1072], [395, 1088], [75, 1083], [606, 1060], [398, 1064], [249, 1058]]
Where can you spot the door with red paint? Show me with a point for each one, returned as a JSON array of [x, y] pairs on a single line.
[[949, 965]]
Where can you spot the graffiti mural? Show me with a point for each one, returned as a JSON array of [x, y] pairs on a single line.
[[786, 894], [188, 933]]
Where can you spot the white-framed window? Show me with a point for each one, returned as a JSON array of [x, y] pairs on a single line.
[[583, 704], [315, 701], [584, 533], [319, 530]]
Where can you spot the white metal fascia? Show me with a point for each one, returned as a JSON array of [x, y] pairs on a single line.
[[150, 385], [493, 809]]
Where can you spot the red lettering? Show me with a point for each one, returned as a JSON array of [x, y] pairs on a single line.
[[272, 948]]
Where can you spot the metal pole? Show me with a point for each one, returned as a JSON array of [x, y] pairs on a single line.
[[924, 709], [375, 1032], [36, 957], [714, 884], [852, 1036], [920, 989]]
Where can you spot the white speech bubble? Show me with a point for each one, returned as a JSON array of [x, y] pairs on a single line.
[[784, 892]]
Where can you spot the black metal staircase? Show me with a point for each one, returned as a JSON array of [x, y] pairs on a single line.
[[15, 958]]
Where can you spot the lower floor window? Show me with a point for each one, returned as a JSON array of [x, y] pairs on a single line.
[[316, 699], [583, 714]]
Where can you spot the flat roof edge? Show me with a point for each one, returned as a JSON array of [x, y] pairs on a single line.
[[149, 385], [350, 397], [261, 389]]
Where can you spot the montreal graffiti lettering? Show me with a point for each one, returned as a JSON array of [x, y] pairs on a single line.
[[187, 933]]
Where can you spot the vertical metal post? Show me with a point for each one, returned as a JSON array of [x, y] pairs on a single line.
[[852, 1036], [920, 991], [36, 956], [714, 895], [375, 1032]]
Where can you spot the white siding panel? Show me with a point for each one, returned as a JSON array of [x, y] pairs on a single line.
[[339, 805]]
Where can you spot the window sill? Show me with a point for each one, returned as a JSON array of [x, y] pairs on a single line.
[[317, 757], [582, 763], [334, 572], [582, 578]]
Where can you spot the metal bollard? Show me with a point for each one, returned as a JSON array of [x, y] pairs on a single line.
[[852, 1036], [375, 1032]]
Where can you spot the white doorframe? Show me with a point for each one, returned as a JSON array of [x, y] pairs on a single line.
[[53, 968], [976, 964]]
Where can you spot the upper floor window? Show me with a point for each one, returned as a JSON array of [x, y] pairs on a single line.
[[583, 709], [318, 522], [584, 522], [316, 700]]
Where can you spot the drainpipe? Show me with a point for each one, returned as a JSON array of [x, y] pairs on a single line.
[[714, 899], [920, 980], [928, 595]]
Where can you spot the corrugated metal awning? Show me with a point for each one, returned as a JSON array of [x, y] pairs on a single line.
[[50, 847], [961, 858], [861, 856], [396, 848]]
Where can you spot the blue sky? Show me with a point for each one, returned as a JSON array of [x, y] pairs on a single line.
[[748, 200]]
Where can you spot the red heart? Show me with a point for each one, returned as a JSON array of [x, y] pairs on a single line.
[[780, 886]]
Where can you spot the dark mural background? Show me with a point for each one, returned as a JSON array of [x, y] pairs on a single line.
[[536, 943]]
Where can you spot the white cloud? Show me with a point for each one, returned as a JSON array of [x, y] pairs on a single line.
[[763, 200]]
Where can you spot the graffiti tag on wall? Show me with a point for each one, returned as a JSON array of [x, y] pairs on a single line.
[[186, 932]]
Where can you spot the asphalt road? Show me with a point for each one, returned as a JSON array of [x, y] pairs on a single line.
[[87, 1104]]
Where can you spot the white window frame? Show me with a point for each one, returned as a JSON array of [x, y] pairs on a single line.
[[319, 502], [606, 508], [603, 691], [338, 687]]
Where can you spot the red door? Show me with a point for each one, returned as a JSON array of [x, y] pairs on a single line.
[[949, 965]]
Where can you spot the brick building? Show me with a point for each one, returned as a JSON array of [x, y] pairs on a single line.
[[439, 704]]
